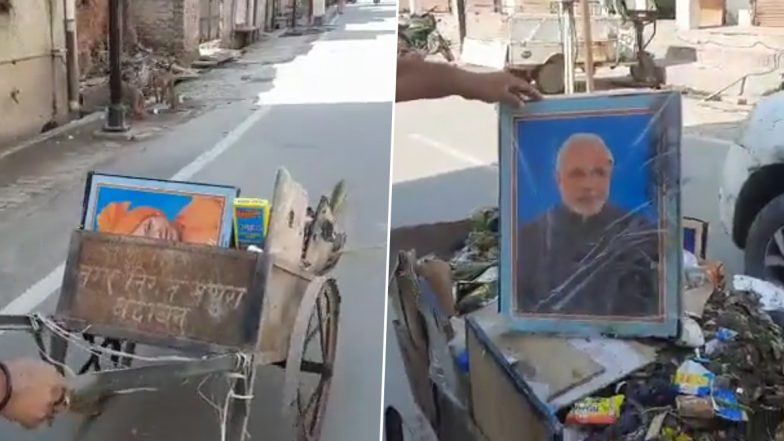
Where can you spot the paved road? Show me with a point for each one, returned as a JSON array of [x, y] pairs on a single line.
[[445, 166], [326, 116]]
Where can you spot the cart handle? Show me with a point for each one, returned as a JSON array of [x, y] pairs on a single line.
[[18, 323]]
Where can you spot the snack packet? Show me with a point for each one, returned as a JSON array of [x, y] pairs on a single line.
[[596, 411], [692, 378]]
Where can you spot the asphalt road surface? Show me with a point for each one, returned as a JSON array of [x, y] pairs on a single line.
[[325, 116], [445, 166]]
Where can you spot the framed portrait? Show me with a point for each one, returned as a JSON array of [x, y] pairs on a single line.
[[168, 210], [695, 236], [590, 214]]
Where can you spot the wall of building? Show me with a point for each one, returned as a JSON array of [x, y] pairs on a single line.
[[32, 81], [168, 25], [92, 23], [733, 6], [244, 14]]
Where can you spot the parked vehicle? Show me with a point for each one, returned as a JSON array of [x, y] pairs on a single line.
[[751, 198], [419, 32]]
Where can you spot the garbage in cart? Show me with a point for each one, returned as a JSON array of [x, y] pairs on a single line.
[[719, 378], [228, 284]]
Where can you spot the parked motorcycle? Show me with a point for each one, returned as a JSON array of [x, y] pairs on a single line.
[[419, 32]]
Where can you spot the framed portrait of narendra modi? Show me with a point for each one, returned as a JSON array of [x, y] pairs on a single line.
[[591, 240]]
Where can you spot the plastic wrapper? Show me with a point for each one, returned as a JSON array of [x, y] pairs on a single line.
[[723, 335], [690, 261], [726, 405], [692, 378], [596, 411], [771, 297]]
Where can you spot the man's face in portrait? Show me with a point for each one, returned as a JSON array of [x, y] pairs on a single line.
[[157, 228], [583, 174]]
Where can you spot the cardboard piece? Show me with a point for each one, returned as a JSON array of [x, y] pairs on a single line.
[[503, 404], [550, 361], [597, 362], [694, 299]]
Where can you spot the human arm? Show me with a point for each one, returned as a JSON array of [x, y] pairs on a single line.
[[31, 392], [419, 79]]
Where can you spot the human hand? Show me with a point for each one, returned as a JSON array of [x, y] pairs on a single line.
[[38, 392], [500, 86]]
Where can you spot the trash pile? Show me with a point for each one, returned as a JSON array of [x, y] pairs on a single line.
[[475, 266], [729, 388], [722, 379], [147, 71]]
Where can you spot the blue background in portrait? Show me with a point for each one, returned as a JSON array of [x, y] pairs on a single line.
[[690, 240], [169, 203], [626, 137]]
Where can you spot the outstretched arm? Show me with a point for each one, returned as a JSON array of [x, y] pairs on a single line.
[[421, 79]]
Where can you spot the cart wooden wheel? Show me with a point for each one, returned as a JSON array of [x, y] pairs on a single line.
[[393, 425], [311, 358]]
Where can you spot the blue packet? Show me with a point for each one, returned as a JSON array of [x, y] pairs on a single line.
[[462, 361], [726, 405]]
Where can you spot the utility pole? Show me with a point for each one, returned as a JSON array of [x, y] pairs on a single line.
[[115, 115], [588, 40], [566, 13], [72, 58]]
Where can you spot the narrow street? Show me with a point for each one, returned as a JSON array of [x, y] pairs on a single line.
[[445, 166], [324, 112]]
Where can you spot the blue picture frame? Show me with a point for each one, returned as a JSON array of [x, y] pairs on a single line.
[[660, 133], [168, 198]]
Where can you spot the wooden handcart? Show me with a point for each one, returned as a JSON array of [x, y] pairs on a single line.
[[487, 403], [224, 311]]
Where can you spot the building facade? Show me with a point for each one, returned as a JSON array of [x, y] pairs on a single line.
[[33, 92]]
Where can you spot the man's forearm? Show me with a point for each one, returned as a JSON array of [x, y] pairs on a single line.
[[419, 79], [4, 384]]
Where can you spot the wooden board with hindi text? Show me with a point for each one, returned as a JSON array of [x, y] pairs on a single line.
[[163, 294]]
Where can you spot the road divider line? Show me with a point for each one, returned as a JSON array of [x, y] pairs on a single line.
[[451, 151]]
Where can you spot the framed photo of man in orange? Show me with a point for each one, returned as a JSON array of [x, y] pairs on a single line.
[[158, 209]]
